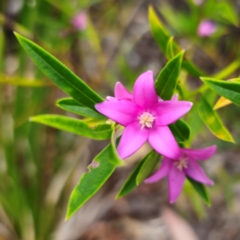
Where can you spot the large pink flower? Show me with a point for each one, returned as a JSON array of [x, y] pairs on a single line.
[[178, 168], [145, 117]]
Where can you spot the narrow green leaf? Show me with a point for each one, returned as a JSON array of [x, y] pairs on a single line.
[[159, 33], [195, 123], [167, 79], [162, 38], [60, 74], [76, 126], [227, 89], [169, 50], [71, 105], [212, 121], [131, 183], [114, 142], [192, 69], [20, 81], [228, 70], [147, 167], [201, 190], [180, 130], [225, 11], [100, 170]]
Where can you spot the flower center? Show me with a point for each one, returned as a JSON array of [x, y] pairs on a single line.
[[146, 120], [181, 164]]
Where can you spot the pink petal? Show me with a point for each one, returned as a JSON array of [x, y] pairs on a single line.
[[161, 172], [132, 139], [110, 98], [174, 97], [195, 172], [175, 181], [162, 140], [123, 112], [200, 154], [144, 93], [168, 112], [120, 92]]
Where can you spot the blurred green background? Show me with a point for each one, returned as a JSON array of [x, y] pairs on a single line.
[[40, 165]]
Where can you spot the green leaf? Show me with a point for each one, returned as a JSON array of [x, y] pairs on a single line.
[[60, 74], [167, 79], [100, 170], [162, 38], [71, 105], [212, 121], [195, 123], [192, 69], [132, 182], [169, 50], [147, 167], [227, 89], [76, 126], [228, 70], [201, 190], [224, 11], [23, 82], [180, 130], [159, 33]]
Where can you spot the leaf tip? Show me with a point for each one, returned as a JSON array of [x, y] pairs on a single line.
[[68, 216], [150, 7], [183, 50], [17, 35], [117, 196]]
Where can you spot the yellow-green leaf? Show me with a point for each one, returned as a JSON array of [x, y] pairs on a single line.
[[213, 121]]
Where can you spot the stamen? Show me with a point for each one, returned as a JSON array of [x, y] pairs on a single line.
[[181, 164], [146, 120]]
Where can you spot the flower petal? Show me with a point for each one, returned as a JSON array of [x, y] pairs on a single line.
[[144, 93], [161, 172], [175, 182], [195, 172], [162, 140], [168, 112], [174, 97], [123, 112], [132, 139], [120, 92], [200, 154]]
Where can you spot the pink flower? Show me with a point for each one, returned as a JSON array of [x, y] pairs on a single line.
[[178, 168], [144, 117], [206, 28], [80, 21]]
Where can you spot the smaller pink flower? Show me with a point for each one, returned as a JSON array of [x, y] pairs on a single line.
[[206, 28], [178, 169], [79, 21]]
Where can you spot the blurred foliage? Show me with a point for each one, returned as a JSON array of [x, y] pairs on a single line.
[[113, 47]]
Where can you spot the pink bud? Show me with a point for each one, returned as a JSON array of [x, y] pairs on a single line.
[[79, 21], [206, 28]]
